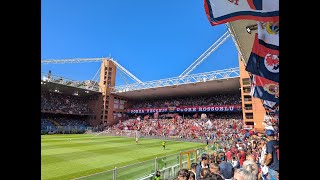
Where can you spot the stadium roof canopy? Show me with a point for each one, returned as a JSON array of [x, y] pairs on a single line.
[[243, 38], [65, 89], [221, 86]]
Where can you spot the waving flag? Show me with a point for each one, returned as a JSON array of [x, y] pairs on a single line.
[[270, 106], [264, 89], [222, 11], [268, 34], [264, 60]]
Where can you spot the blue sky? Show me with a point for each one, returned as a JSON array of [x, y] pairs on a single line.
[[152, 39]]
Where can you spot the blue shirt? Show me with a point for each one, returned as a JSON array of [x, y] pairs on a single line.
[[273, 148]]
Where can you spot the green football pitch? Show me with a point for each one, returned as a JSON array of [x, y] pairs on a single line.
[[77, 155]]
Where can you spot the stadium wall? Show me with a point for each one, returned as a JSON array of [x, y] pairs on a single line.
[[110, 109], [252, 108], [95, 106], [107, 80]]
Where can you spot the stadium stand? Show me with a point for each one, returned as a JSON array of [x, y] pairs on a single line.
[[221, 99], [66, 109]]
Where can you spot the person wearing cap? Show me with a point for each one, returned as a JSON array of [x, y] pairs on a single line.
[[272, 151]]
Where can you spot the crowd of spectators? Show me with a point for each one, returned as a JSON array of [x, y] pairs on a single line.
[[219, 128], [63, 126], [71, 122], [235, 152], [60, 103], [45, 123], [227, 99], [256, 157]]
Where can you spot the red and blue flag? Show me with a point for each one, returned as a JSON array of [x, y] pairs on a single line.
[[222, 11], [265, 89], [264, 60]]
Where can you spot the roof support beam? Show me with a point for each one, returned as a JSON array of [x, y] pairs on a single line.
[[84, 60], [207, 53], [188, 79]]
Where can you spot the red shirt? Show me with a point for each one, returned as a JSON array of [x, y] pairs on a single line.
[[242, 158], [229, 155], [233, 149]]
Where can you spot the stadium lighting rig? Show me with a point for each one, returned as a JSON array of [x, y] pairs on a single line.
[[176, 81], [85, 60]]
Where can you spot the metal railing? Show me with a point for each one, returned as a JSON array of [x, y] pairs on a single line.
[[193, 78], [167, 165]]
